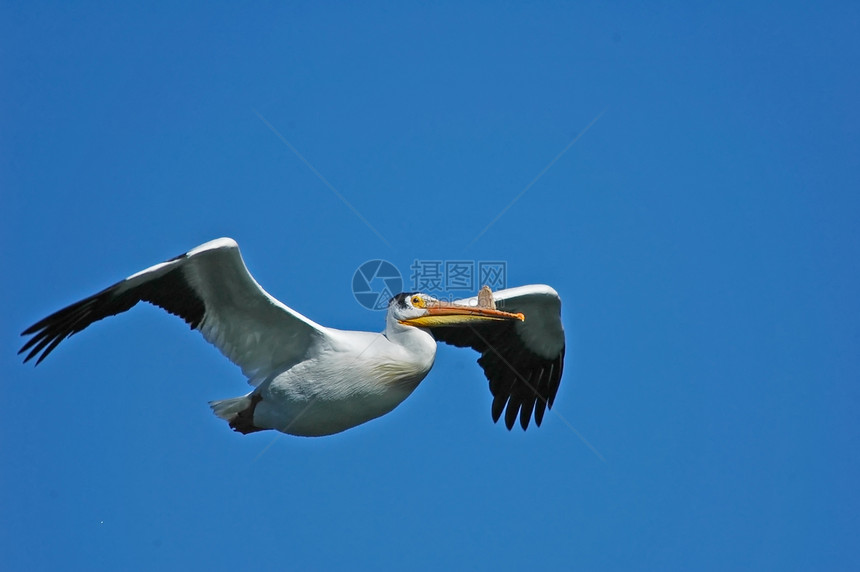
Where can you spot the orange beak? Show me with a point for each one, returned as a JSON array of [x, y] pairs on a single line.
[[444, 314]]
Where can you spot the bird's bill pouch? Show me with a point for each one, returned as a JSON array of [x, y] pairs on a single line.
[[457, 315]]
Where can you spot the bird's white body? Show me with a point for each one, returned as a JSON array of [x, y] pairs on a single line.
[[359, 376], [311, 380]]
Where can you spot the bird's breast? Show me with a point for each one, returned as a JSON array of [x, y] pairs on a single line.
[[342, 388]]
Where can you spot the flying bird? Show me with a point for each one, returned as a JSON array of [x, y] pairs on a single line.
[[311, 380]]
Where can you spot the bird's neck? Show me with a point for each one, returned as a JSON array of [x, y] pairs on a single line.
[[418, 343]]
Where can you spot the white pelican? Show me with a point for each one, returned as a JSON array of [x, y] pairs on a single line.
[[311, 380]]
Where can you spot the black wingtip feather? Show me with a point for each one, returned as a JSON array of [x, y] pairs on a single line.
[[526, 413], [511, 415], [540, 408], [50, 348], [499, 402], [555, 380], [170, 291], [523, 383]]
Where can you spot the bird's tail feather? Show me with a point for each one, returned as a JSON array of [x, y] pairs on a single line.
[[228, 409], [238, 412]]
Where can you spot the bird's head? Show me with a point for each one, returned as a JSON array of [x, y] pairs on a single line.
[[424, 311]]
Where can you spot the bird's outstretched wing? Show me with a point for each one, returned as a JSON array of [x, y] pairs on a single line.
[[211, 289], [522, 360]]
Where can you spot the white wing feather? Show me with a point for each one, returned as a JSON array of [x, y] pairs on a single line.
[[211, 289], [541, 331]]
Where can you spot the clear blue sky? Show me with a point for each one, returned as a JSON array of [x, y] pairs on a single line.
[[703, 235]]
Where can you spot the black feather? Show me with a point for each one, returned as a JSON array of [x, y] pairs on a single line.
[[170, 291], [521, 381]]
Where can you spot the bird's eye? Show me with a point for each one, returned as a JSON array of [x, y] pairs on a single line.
[[417, 302]]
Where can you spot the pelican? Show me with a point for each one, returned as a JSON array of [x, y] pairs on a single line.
[[311, 380]]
